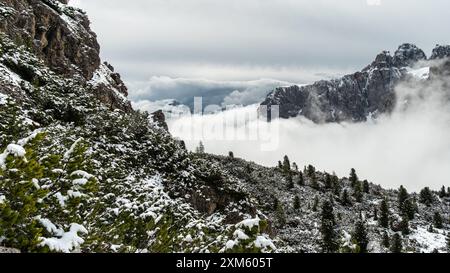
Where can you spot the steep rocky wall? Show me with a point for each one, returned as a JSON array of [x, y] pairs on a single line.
[[57, 33], [61, 37]]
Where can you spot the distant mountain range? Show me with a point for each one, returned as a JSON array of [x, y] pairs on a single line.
[[355, 97]]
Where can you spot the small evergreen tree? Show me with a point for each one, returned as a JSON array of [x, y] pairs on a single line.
[[426, 196], [442, 192], [396, 243], [366, 186], [301, 180], [336, 185], [286, 164], [402, 196], [314, 182], [311, 171], [360, 236], [437, 220], [375, 214], [327, 229], [280, 165], [289, 181], [408, 209], [328, 181], [357, 192], [316, 203], [19, 207], [404, 225], [353, 177], [384, 214], [230, 154], [385, 240], [296, 202], [281, 216], [345, 199], [295, 167]]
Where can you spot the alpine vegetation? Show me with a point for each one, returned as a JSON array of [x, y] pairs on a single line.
[[82, 171]]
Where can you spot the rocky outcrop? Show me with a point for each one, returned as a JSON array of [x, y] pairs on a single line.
[[440, 52], [407, 55], [109, 88], [354, 97], [351, 98], [57, 33], [60, 36], [159, 118]]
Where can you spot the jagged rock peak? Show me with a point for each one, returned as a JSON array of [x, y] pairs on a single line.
[[440, 52], [408, 54], [383, 60]]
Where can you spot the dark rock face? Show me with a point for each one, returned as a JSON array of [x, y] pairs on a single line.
[[407, 55], [350, 98], [440, 52], [109, 88], [159, 118], [59, 34], [354, 97]]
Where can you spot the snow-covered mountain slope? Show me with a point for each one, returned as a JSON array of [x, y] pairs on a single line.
[[80, 170], [297, 227], [369, 92]]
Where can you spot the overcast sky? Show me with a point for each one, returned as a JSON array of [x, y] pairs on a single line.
[[243, 40]]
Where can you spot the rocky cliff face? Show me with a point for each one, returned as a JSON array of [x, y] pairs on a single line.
[[354, 97], [60, 36]]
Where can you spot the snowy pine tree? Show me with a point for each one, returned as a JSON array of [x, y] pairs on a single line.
[[328, 229]]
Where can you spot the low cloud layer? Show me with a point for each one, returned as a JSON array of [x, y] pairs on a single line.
[[184, 90], [410, 147]]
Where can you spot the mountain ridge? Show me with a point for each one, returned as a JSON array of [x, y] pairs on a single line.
[[354, 97]]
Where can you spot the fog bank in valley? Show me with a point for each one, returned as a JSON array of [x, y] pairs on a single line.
[[409, 147]]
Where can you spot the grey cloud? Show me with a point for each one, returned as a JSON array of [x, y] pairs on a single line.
[[327, 33], [184, 90]]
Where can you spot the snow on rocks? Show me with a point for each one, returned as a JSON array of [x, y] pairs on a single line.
[[9, 77], [428, 241], [3, 99], [420, 73]]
